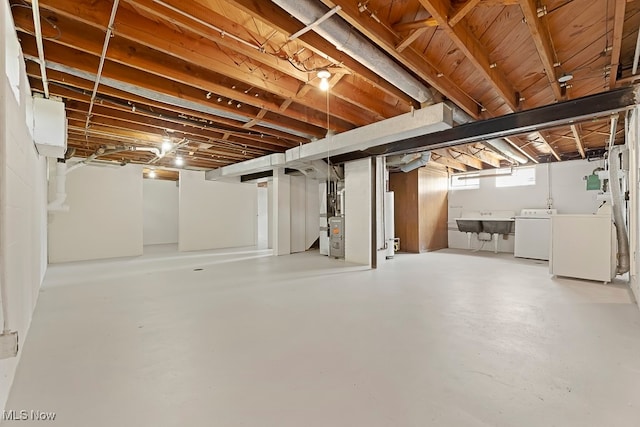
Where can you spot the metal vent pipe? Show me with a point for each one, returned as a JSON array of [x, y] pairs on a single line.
[[342, 36]]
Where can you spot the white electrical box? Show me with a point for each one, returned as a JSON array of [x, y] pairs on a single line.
[[49, 127]]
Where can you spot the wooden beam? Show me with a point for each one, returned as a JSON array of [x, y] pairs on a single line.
[[277, 18], [256, 119], [484, 156], [421, 24], [410, 39], [416, 61], [193, 88], [579, 144], [539, 29], [189, 25], [197, 62], [618, 24], [469, 160], [462, 11], [116, 97], [475, 52], [448, 161], [542, 138]]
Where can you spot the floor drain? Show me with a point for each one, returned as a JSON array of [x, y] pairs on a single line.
[[197, 269]]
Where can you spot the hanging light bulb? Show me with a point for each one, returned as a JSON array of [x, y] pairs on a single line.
[[324, 75], [151, 174], [179, 161], [166, 145]]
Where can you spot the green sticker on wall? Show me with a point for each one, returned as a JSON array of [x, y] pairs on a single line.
[[593, 182]]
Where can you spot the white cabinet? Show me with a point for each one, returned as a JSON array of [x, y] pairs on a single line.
[[583, 246]]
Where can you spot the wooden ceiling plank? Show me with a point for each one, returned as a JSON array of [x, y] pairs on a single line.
[[462, 11], [539, 29], [475, 52], [579, 144], [618, 24]]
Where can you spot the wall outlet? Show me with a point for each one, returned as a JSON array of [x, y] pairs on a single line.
[[8, 345]]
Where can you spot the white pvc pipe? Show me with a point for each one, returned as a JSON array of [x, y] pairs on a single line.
[[636, 56], [57, 204], [35, 8]]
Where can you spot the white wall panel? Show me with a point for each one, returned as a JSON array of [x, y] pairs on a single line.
[[104, 218], [24, 224], [215, 214], [358, 211], [160, 212]]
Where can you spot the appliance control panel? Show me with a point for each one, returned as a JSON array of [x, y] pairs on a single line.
[[538, 212]]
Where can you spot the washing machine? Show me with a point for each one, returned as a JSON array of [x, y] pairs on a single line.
[[533, 233]]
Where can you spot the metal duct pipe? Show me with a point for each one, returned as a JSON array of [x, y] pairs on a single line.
[[340, 34], [618, 215], [419, 162], [501, 145]]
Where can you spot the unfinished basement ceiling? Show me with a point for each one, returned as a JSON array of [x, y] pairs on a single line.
[[225, 82]]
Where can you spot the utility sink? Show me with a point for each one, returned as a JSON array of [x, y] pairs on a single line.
[[498, 226], [486, 225], [469, 225]]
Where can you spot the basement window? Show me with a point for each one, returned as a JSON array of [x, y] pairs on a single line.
[[518, 178], [464, 181]]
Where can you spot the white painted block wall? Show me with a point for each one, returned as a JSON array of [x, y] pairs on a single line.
[[358, 211], [215, 214], [25, 225], [160, 212], [104, 218], [562, 181]]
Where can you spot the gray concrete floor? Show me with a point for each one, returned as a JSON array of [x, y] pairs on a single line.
[[447, 338]]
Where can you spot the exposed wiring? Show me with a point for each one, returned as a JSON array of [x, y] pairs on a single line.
[[47, 20]]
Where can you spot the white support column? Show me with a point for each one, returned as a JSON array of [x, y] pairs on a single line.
[[358, 183], [634, 204], [281, 224]]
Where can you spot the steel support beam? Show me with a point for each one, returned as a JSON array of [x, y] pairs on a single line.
[[562, 113]]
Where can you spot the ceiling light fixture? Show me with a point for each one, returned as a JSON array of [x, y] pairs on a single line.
[[565, 77], [166, 145], [324, 75], [179, 161], [151, 174]]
